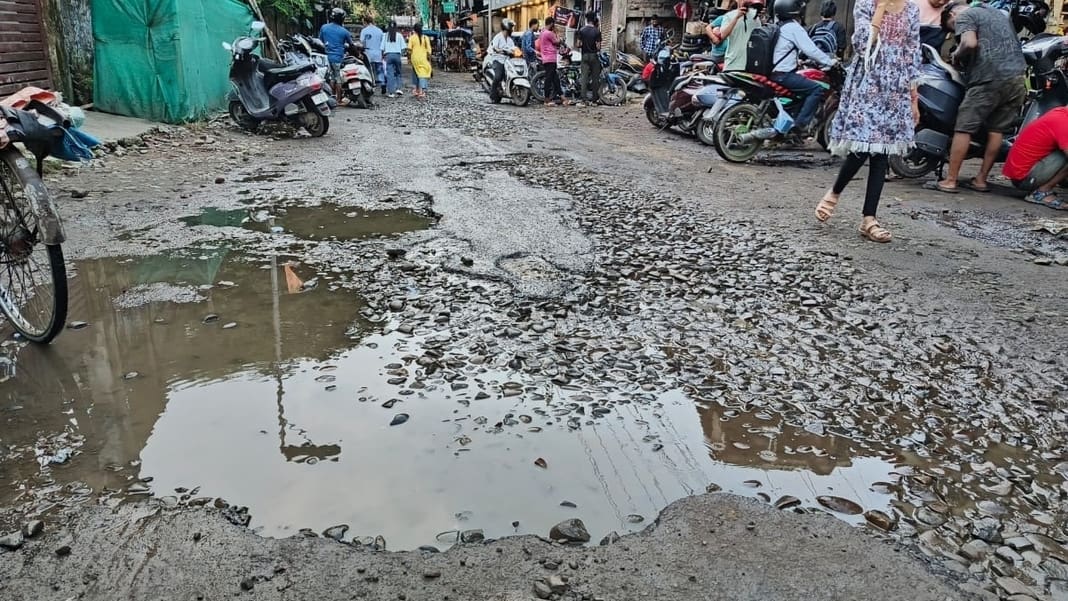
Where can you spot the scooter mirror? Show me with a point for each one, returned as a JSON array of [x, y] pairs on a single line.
[[246, 44], [258, 26], [227, 46]]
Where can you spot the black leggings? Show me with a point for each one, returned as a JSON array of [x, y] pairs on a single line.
[[877, 166]]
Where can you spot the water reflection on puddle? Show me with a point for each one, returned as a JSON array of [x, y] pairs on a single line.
[[270, 395], [318, 222]]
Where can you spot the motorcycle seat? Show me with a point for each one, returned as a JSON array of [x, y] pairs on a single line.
[[703, 58]]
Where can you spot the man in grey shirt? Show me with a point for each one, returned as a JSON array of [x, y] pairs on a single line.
[[993, 65]]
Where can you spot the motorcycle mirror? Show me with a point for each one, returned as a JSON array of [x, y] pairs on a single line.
[[227, 46], [258, 26], [245, 44]]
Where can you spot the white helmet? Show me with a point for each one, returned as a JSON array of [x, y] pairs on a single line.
[[507, 24]]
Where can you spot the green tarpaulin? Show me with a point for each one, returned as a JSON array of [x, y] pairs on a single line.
[[163, 59]]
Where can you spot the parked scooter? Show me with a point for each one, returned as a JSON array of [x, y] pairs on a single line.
[[941, 90], [267, 91], [357, 77], [514, 85]]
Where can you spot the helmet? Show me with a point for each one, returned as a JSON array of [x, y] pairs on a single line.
[[507, 24], [788, 10], [337, 16]]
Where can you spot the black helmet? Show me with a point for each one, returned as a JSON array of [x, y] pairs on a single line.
[[788, 10], [337, 16], [1030, 15]]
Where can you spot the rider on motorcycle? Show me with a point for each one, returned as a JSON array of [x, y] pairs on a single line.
[[793, 41], [501, 49]]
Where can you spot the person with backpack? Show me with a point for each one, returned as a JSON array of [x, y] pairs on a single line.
[[738, 26], [790, 41], [828, 34], [878, 111]]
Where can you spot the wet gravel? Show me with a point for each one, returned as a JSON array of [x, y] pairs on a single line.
[[666, 297]]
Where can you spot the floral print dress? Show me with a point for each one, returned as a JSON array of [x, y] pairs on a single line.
[[875, 112]]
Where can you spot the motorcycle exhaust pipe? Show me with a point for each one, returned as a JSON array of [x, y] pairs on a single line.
[[764, 133]]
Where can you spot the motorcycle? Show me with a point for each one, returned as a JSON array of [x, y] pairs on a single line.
[[941, 89], [264, 90], [357, 77], [611, 92], [514, 85], [681, 93], [748, 111]]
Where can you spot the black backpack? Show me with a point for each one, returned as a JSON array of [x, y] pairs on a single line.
[[760, 51]]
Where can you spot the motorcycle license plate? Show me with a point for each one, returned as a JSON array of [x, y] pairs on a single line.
[[354, 85], [320, 98]]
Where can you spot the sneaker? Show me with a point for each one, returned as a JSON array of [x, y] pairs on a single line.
[[391, 95], [400, 92]]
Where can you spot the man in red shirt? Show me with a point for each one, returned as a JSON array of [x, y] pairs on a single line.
[[1037, 161]]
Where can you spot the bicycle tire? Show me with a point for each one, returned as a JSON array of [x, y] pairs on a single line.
[[12, 306]]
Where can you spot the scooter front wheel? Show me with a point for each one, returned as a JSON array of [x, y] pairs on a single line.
[[242, 118], [520, 95], [914, 165]]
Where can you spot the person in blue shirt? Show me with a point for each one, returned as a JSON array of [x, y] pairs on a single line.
[[335, 37], [794, 41], [529, 36], [371, 36]]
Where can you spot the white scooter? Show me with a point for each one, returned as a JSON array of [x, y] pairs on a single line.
[[516, 84], [357, 79]]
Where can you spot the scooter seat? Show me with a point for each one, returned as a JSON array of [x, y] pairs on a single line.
[[704, 58], [290, 71]]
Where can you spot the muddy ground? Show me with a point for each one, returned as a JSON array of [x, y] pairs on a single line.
[[447, 317]]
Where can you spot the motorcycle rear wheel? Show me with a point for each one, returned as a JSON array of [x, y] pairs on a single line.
[[316, 124], [737, 120], [611, 94], [917, 164], [241, 117], [520, 95]]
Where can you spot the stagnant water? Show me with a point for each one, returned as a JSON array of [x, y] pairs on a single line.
[[228, 375]]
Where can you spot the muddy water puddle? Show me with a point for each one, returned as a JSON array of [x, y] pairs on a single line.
[[320, 222], [215, 375]]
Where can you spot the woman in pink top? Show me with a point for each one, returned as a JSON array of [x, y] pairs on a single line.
[[550, 54]]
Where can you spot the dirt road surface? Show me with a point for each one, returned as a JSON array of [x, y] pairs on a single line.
[[449, 320]]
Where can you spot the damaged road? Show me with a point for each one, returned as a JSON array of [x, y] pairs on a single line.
[[449, 317]]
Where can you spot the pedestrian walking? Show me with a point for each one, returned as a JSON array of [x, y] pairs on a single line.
[[419, 53], [873, 119], [371, 36], [393, 47], [994, 87], [828, 34], [590, 69], [550, 54], [651, 37]]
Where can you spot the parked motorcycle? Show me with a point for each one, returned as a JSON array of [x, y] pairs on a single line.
[[941, 90], [264, 90], [357, 76], [612, 90], [514, 85], [299, 49], [680, 94], [749, 111]]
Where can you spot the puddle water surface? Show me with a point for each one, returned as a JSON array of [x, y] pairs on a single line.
[[318, 222], [228, 377]]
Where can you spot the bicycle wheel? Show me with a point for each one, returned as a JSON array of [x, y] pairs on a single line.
[[33, 276]]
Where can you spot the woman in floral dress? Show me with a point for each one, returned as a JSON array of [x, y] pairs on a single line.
[[878, 112]]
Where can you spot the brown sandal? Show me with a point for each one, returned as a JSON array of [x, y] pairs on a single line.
[[825, 209], [875, 232]]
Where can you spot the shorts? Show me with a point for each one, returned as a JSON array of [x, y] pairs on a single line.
[[1042, 172], [335, 72], [994, 106]]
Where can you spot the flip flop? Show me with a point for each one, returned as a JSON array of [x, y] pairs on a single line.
[[938, 187], [970, 184]]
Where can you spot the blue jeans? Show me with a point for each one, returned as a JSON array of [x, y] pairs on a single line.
[[393, 72], [380, 74], [811, 91]]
